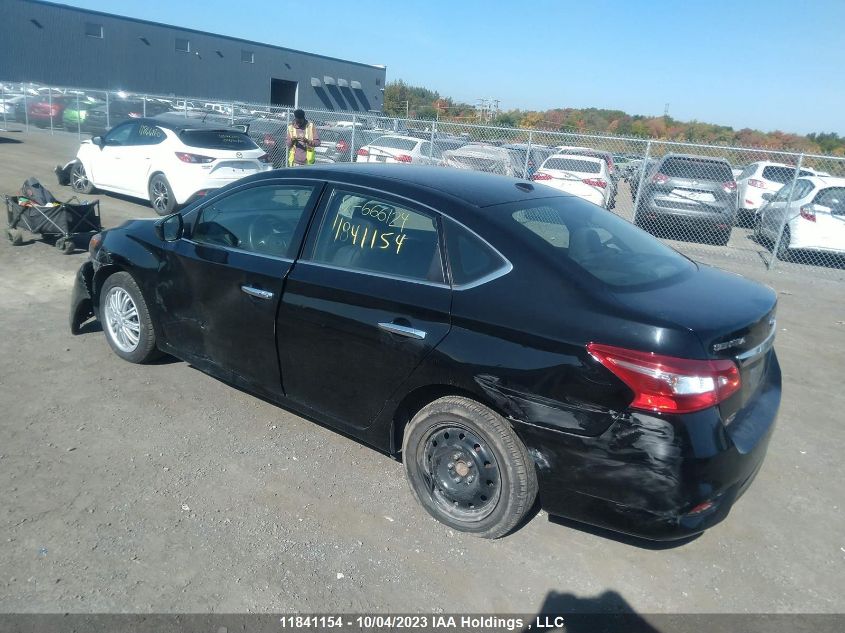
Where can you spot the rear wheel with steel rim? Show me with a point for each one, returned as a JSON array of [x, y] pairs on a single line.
[[161, 195], [126, 319], [467, 467], [79, 181]]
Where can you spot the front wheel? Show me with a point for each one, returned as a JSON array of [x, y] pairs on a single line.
[[126, 319], [467, 467], [79, 180], [161, 195]]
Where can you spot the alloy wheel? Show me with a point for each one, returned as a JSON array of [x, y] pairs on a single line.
[[122, 320], [161, 196]]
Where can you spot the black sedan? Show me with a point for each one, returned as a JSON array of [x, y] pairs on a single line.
[[498, 337]]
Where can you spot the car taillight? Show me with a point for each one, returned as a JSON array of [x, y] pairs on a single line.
[[595, 182], [269, 140], [341, 147], [403, 158], [541, 176], [659, 178], [669, 384], [363, 152], [265, 158], [808, 213], [729, 186], [753, 182], [193, 158]]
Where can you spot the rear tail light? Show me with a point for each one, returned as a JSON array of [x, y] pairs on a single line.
[[193, 158], [265, 158], [659, 178], [729, 186], [595, 182], [668, 384], [757, 183], [341, 147], [363, 152], [269, 140], [808, 213], [541, 176], [403, 158]]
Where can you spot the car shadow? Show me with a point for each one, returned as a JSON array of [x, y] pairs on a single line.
[[807, 258], [4, 139], [605, 613], [625, 539]]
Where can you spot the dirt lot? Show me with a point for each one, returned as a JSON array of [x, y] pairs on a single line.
[[158, 488]]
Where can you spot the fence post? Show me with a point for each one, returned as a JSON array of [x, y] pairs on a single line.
[[26, 111], [287, 127], [145, 106], [78, 119], [640, 180], [108, 113], [50, 101], [431, 144], [5, 124], [185, 107], [788, 202], [232, 114], [527, 155], [352, 140]]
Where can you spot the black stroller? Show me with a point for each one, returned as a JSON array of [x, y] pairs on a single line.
[[69, 225]]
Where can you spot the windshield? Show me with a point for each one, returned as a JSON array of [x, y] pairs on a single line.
[[606, 247]]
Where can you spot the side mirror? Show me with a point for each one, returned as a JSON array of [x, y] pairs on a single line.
[[768, 197], [170, 228], [98, 141]]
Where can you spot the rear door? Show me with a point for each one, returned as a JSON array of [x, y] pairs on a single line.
[[222, 284], [363, 306], [830, 217]]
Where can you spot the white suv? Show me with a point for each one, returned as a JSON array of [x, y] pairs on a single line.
[[759, 178], [168, 161]]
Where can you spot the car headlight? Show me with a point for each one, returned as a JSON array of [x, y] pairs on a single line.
[[94, 244]]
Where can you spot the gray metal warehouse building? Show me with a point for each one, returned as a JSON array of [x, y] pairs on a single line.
[[59, 45]]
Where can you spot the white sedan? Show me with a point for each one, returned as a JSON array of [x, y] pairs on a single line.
[[169, 161], [393, 148], [582, 176], [814, 219]]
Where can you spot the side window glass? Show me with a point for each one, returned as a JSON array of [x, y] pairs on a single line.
[[260, 219], [120, 135], [470, 258], [148, 135], [833, 198], [368, 233]]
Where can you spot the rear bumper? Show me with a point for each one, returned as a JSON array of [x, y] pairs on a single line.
[[648, 475], [81, 299], [703, 217]]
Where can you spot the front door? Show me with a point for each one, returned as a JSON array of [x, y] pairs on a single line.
[[111, 165], [223, 281], [364, 306]]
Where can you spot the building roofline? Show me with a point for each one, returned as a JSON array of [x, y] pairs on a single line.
[[46, 3]]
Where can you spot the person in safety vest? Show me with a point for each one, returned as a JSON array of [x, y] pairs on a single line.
[[301, 141]]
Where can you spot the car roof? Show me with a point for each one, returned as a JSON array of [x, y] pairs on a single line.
[[406, 138], [179, 123], [436, 186], [825, 181]]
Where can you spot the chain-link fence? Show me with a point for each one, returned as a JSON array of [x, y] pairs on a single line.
[[773, 208]]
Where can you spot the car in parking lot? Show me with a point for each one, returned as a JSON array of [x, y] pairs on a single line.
[[75, 114], [492, 159], [47, 111], [696, 192], [497, 336], [99, 119], [809, 219], [530, 156], [582, 176], [760, 178], [168, 160], [393, 148]]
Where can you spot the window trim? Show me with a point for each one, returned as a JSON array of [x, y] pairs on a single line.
[[183, 39], [99, 26], [251, 54]]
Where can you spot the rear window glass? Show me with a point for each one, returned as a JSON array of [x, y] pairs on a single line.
[[395, 143], [573, 164], [606, 247], [217, 139], [782, 175], [696, 169]]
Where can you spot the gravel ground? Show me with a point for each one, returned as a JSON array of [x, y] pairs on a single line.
[[157, 488]]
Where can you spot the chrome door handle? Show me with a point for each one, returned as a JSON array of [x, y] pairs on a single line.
[[402, 330], [257, 292]]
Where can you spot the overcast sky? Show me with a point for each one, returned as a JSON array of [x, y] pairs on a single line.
[[744, 63]]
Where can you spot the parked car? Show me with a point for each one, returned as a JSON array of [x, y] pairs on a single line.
[[637, 174], [760, 178], [167, 160], [101, 118], [75, 114], [582, 176], [487, 158], [393, 148], [47, 111], [270, 135], [638, 393], [9, 104], [607, 157], [538, 153], [812, 216], [696, 192], [336, 143]]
